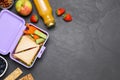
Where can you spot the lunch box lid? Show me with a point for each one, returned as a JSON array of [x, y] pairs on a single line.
[[11, 29]]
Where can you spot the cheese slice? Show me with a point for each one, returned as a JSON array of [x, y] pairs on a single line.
[[27, 56], [26, 42]]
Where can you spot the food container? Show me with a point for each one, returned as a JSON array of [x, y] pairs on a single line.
[[3, 66], [11, 31], [6, 4]]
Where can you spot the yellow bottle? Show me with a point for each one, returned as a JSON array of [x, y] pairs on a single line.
[[45, 11]]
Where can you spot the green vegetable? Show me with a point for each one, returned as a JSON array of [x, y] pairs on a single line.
[[41, 34], [40, 40]]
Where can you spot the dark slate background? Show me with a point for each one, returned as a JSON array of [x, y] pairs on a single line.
[[88, 48]]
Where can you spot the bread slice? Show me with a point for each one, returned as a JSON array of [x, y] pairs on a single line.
[[26, 42], [14, 75], [27, 77], [27, 56]]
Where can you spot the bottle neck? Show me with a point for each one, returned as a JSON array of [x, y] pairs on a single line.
[[49, 20]]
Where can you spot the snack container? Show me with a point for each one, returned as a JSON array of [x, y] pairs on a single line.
[[11, 30], [6, 66], [8, 6]]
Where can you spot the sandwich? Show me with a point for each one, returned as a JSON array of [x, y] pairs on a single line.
[[25, 43], [26, 50], [27, 56]]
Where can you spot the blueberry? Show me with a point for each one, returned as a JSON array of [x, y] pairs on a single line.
[[2, 66], [1, 71]]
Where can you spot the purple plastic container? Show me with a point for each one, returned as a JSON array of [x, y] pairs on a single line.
[[11, 30]]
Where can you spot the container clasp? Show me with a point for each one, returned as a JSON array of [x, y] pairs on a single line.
[[41, 51]]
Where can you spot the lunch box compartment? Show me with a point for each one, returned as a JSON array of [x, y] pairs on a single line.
[[11, 30]]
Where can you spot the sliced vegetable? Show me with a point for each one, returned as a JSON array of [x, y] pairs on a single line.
[[30, 29], [40, 40], [35, 37], [40, 34]]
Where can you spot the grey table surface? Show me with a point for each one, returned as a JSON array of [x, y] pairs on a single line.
[[88, 48]]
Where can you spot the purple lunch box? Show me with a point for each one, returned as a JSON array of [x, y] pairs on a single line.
[[11, 30]]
